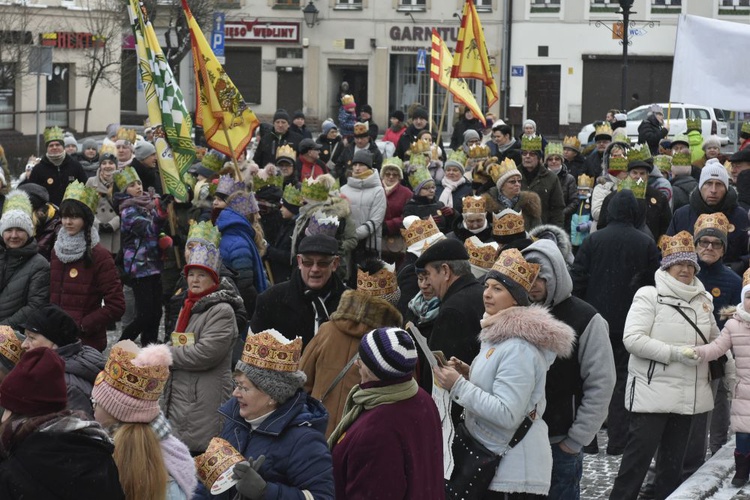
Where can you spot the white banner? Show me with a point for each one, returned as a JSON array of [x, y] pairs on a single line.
[[711, 62]]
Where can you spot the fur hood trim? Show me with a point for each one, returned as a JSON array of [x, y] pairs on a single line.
[[374, 312], [727, 312], [534, 324], [336, 206], [561, 239], [528, 202], [217, 297]]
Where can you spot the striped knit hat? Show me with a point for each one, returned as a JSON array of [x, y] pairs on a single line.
[[388, 352]]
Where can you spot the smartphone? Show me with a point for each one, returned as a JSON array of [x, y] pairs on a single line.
[[440, 357]]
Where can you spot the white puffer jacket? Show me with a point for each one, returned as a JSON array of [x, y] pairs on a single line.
[[653, 326]]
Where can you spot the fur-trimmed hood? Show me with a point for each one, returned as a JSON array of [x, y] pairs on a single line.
[[561, 239], [373, 312], [335, 205], [534, 324], [528, 202], [221, 295]]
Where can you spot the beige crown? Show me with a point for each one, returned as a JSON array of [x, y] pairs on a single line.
[[473, 205], [681, 242], [481, 254], [585, 181], [512, 264], [419, 230], [219, 458], [264, 350], [507, 222], [572, 142], [383, 282], [717, 221]]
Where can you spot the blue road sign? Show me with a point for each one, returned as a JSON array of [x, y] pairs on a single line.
[[516, 71], [421, 60], [219, 21]]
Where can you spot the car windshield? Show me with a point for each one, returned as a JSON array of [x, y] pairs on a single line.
[[637, 114]]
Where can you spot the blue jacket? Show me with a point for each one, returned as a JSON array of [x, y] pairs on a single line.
[[293, 441], [724, 285], [238, 250]]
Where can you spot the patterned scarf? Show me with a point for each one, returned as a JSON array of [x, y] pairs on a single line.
[[508, 202], [425, 310]]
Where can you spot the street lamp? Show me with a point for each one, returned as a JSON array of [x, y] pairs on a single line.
[[625, 6], [311, 14]]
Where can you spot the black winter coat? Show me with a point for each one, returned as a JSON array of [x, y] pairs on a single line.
[[424, 208], [344, 163], [149, 176], [653, 211], [545, 184], [462, 125], [409, 136], [24, 283], [279, 252], [266, 152], [593, 164], [332, 148], [682, 186], [577, 166], [82, 365], [650, 132], [56, 179]]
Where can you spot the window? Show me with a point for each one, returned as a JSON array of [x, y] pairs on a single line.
[[734, 7], [348, 5], [288, 53], [286, 4], [7, 96], [603, 6], [483, 5], [243, 67], [666, 6], [545, 6], [703, 114], [58, 96], [412, 5]]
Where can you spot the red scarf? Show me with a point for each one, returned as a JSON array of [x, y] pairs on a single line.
[[184, 318]]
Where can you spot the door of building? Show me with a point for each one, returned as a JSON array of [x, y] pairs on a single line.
[[543, 98], [355, 75], [289, 85]]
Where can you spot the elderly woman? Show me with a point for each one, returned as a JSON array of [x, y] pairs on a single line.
[[201, 349], [665, 387], [506, 383], [454, 186], [507, 194], [275, 425], [396, 197]]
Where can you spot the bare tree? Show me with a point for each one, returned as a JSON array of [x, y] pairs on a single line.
[[176, 25], [16, 40]]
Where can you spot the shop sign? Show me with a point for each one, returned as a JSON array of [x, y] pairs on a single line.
[[71, 40], [422, 33], [256, 31]]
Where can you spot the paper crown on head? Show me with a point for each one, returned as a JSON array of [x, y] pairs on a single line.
[[243, 202], [639, 152], [620, 136], [53, 134], [682, 159], [479, 151], [507, 166], [617, 164], [347, 99], [126, 134], [572, 142], [746, 279], [227, 185], [214, 160], [511, 263], [286, 152], [393, 161], [314, 190], [681, 242], [553, 149], [457, 157], [481, 254], [585, 181], [124, 177], [18, 200], [292, 195], [79, 192], [361, 129], [663, 162], [10, 346], [745, 127], [487, 169], [473, 205], [716, 221], [382, 283], [693, 124], [419, 230], [215, 466], [419, 148], [533, 143], [270, 350], [204, 233], [637, 186], [418, 161], [603, 129], [419, 177], [323, 224], [507, 222], [141, 382], [206, 257], [267, 177], [108, 149]]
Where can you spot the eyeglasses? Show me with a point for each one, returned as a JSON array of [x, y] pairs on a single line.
[[240, 387], [716, 245], [322, 264], [527, 153]]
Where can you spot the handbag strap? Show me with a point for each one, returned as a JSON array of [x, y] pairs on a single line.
[[690, 321], [340, 376]]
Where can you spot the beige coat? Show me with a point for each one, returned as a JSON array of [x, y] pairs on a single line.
[[106, 213]]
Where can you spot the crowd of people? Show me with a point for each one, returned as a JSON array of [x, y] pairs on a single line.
[[367, 316]]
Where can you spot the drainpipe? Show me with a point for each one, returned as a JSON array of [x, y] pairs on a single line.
[[505, 70]]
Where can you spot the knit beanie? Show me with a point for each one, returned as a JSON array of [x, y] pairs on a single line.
[[143, 150], [36, 386], [69, 140], [132, 381], [388, 352], [280, 386], [366, 108], [281, 114], [328, 125], [419, 112], [54, 324], [17, 211], [714, 170], [38, 195], [398, 115], [471, 134], [88, 144], [530, 122], [712, 141], [364, 157]]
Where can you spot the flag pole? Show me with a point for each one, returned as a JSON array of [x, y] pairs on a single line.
[[669, 112], [445, 108], [432, 98], [172, 220], [229, 143]]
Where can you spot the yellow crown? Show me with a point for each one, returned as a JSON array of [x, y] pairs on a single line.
[[53, 134], [572, 142], [512, 264], [507, 166], [473, 205], [681, 159], [382, 283], [507, 223], [108, 149], [533, 143], [617, 164], [681, 242], [269, 350], [603, 129], [419, 147], [347, 99], [86, 195], [479, 151], [553, 149], [481, 254], [693, 124], [267, 177], [419, 177], [204, 233], [639, 152], [716, 221], [292, 196], [286, 152], [126, 134], [638, 187], [10, 346], [126, 176], [745, 127], [419, 230], [663, 162], [746, 279], [141, 382], [584, 181], [361, 129], [217, 463]]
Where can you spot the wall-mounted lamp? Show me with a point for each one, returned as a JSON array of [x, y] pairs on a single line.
[[311, 14], [373, 43]]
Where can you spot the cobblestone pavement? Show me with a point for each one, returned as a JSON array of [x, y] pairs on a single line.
[[599, 472]]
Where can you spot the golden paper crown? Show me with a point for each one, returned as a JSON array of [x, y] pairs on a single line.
[[639, 152], [584, 181], [214, 160], [620, 136], [361, 129], [108, 148], [693, 124], [140, 382], [286, 152], [681, 242], [126, 134], [618, 164], [473, 205], [124, 177], [419, 176], [10, 345], [481, 254], [507, 223], [269, 350], [746, 279], [347, 99], [505, 167], [682, 159], [292, 195], [419, 230], [267, 177], [638, 187], [383, 282], [716, 221], [204, 233], [456, 157], [86, 195], [53, 134], [603, 129], [419, 148], [479, 151], [533, 143], [572, 142], [553, 149], [663, 162], [512, 264], [219, 458]]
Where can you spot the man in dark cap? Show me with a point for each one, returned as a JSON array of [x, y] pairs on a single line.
[[740, 162], [365, 115], [299, 306], [309, 163], [298, 125], [420, 119], [279, 135]]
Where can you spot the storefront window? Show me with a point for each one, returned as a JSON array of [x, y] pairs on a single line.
[[7, 97], [58, 96]]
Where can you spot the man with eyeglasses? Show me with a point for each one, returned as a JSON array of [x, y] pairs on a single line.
[[299, 306], [537, 178]]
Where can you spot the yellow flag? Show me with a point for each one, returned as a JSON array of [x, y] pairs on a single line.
[[440, 71], [228, 123], [472, 60]]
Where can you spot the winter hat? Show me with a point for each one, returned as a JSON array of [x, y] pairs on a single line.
[[112, 129], [716, 225], [36, 386], [538, 253], [17, 212], [348, 102], [714, 170], [446, 249], [298, 114], [322, 244], [107, 157], [281, 114], [364, 157], [143, 150], [712, 141], [681, 139], [388, 352], [506, 170], [655, 108], [515, 273], [470, 135], [393, 163], [419, 112], [305, 145], [10, 348], [745, 284], [69, 140], [366, 108], [676, 249], [398, 115], [741, 155], [271, 362], [88, 144], [530, 122], [328, 125], [38, 195], [132, 381], [54, 323]]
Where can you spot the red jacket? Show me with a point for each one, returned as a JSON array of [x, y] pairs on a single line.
[[79, 290], [392, 136], [310, 169], [394, 210]]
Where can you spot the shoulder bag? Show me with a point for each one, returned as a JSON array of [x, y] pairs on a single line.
[[715, 367]]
